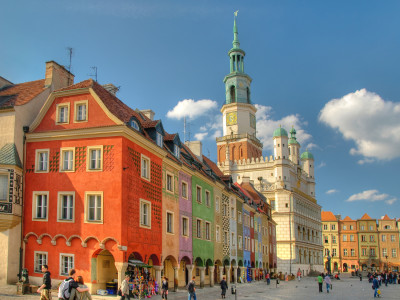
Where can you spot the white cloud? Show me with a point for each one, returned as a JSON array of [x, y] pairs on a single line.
[[266, 126], [200, 136], [368, 120], [191, 109], [311, 146], [365, 161], [372, 196], [321, 165], [332, 191]]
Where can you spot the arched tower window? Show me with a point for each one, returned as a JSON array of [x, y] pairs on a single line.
[[233, 94], [248, 95]]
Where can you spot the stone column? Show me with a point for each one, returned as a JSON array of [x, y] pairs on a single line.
[[235, 279], [253, 273], [121, 268], [202, 274], [176, 278], [221, 273], [211, 272], [228, 274], [190, 271], [158, 270]]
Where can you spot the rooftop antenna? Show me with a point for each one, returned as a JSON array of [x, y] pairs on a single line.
[[184, 129], [95, 73], [70, 52]]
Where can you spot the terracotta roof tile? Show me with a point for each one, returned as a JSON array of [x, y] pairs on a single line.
[[20, 94], [366, 217], [169, 137], [328, 216], [213, 166], [150, 124], [386, 218], [347, 219]]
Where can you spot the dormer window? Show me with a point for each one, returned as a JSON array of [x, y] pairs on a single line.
[[159, 139], [177, 151], [135, 125]]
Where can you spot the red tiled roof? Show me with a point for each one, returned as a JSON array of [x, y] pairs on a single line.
[[347, 219], [328, 216], [169, 137], [386, 218], [250, 190], [366, 217], [213, 166], [20, 94], [244, 191], [150, 124]]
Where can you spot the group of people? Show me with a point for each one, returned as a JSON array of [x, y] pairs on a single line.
[[378, 278], [324, 278], [72, 288], [138, 285]]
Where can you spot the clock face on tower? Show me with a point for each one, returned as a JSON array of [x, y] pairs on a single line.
[[231, 118]]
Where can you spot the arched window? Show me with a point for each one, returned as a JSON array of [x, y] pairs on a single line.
[[233, 94], [248, 95]]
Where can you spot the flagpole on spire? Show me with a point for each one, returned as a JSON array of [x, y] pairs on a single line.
[[235, 42]]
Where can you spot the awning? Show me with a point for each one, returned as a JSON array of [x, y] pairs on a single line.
[[138, 263]]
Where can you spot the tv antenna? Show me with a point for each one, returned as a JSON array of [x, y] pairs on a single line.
[[70, 53], [94, 73]]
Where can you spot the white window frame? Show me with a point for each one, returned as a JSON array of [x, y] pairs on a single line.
[[240, 241], [352, 252], [58, 113], [239, 217], [99, 162], [35, 207], [87, 195], [177, 151], [199, 228], [145, 172], [217, 233], [208, 231], [187, 226], [217, 204], [70, 265], [233, 239], [38, 268], [6, 187], [208, 198], [184, 183], [233, 214], [141, 223], [394, 252], [77, 104], [37, 158], [60, 207], [201, 194], [169, 187], [392, 238], [62, 152], [171, 225], [159, 139]]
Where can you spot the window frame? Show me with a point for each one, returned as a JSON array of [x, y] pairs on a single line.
[[34, 206], [198, 187], [147, 159], [184, 183], [217, 203], [240, 242], [87, 195], [79, 103], [239, 217], [89, 158], [60, 206], [199, 224], [207, 230], [62, 151], [58, 108], [168, 188], [159, 139], [39, 269], [141, 224], [183, 227], [169, 222], [6, 187], [37, 153], [217, 233], [207, 199], [61, 266]]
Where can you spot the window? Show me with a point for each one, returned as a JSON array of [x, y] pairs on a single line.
[[94, 206], [252, 245], [66, 263], [208, 227], [40, 260], [145, 167], [371, 238], [351, 227], [384, 252], [207, 198], [344, 227], [273, 204], [62, 113], [333, 227], [95, 161], [40, 205], [239, 217], [42, 160], [198, 194], [233, 238], [333, 239], [233, 212], [364, 251], [392, 238], [170, 183], [344, 238], [159, 139], [353, 252], [383, 238], [145, 213], [217, 234], [334, 252], [252, 222], [345, 252], [198, 228], [351, 238], [177, 151], [363, 238], [362, 227], [326, 241], [184, 190], [240, 242], [66, 206], [326, 252], [81, 111], [170, 222], [217, 204], [135, 125], [185, 226], [394, 252], [387, 227], [372, 251], [67, 159], [3, 187], [371, 227], [225, 237]]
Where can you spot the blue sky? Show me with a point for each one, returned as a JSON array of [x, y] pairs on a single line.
[[330, 68]]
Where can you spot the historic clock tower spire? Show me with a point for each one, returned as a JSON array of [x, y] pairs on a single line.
[[239, 115]]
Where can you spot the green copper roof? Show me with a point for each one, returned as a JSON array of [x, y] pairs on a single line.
[[235, 43], [306, 155], [280, 132], [9, 155], [293, 141]]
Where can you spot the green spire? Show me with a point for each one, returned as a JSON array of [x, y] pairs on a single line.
[[235, 43]]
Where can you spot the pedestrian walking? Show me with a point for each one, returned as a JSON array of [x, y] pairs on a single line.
[[320, 280], [268, 276], [375, 286], [328, 282], [192, 289], [164, 288], [45, 289], [299, 274], [125, 288], [224, 287]]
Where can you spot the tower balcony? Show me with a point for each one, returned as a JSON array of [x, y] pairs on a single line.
[[237, 137]]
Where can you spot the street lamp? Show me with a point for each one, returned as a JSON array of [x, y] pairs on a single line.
[[387, 266]]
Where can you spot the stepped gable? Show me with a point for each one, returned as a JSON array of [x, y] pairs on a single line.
[[386, 218], [20, 94], [366, 217], [327, 216]]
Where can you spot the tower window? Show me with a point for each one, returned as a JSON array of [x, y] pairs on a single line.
[[248, 95], [233, 94]]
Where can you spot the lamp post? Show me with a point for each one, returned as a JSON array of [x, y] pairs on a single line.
[[387, 266]]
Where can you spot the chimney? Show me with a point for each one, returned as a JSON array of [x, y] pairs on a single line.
[[245, 179], [4, 82], [148, 113], [111, 88], [57, 76], [196, 148]]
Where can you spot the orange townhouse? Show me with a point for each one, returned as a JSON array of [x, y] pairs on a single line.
[[93, 187], [348, 240]]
